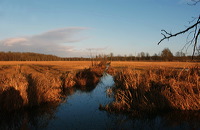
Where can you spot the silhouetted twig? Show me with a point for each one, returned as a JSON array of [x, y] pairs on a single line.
[[194, 40]]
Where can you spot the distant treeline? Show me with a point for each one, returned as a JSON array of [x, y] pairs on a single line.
[[29, 56], [166, 55], [155, 58]]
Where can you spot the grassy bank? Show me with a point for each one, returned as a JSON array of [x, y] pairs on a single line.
[[28, 86], [33, 85], [156, 89]]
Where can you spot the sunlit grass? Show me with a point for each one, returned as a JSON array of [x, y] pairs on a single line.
[[31, 84], [59, 65], [139, 85], [156, 89], [147, 65]]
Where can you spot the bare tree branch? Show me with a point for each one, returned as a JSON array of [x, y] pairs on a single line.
[[195, 42], [194, 2], [193, 29], [196, 33], [169, 35]]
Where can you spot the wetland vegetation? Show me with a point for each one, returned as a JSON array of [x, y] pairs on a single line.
[[142, 90]]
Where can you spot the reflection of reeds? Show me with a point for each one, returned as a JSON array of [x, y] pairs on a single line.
[[32, 118], [157, 89]]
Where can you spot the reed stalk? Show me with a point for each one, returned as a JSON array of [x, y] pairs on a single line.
[[156, 89]]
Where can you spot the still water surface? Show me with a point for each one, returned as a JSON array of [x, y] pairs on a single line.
[[80, 111]]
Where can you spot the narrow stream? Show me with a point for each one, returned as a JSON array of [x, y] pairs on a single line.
[[81, 111]]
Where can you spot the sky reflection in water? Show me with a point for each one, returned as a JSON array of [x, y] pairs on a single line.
[[81, 111]]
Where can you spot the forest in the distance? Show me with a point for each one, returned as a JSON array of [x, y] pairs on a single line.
[[165, 55]]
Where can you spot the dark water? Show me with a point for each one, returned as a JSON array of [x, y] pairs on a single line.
[[80, 111]]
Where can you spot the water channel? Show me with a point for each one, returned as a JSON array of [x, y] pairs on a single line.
[[80, 110]]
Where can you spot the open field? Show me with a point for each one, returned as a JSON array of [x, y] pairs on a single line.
[[61, 65], [146, 65], [74, 65]]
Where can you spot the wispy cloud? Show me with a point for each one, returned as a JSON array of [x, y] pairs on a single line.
[[96, 49], [12, 41], [51, 42]]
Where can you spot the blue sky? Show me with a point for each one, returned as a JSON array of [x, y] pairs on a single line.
[[73, 27]]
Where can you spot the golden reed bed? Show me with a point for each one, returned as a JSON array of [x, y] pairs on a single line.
[[62, 65], [144, 65], [156, 89], [34, 82], [28, 84], [73, 65]]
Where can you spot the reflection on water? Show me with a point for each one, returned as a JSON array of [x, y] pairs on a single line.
[[34, 118], [80, 111]]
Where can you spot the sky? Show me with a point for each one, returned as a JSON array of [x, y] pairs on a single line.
[[77, 28]]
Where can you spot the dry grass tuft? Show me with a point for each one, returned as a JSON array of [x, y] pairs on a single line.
[[43, 88], [87, 78], [23, 86], [90, 77], [156, 89], [68, 80], [13, 84]]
